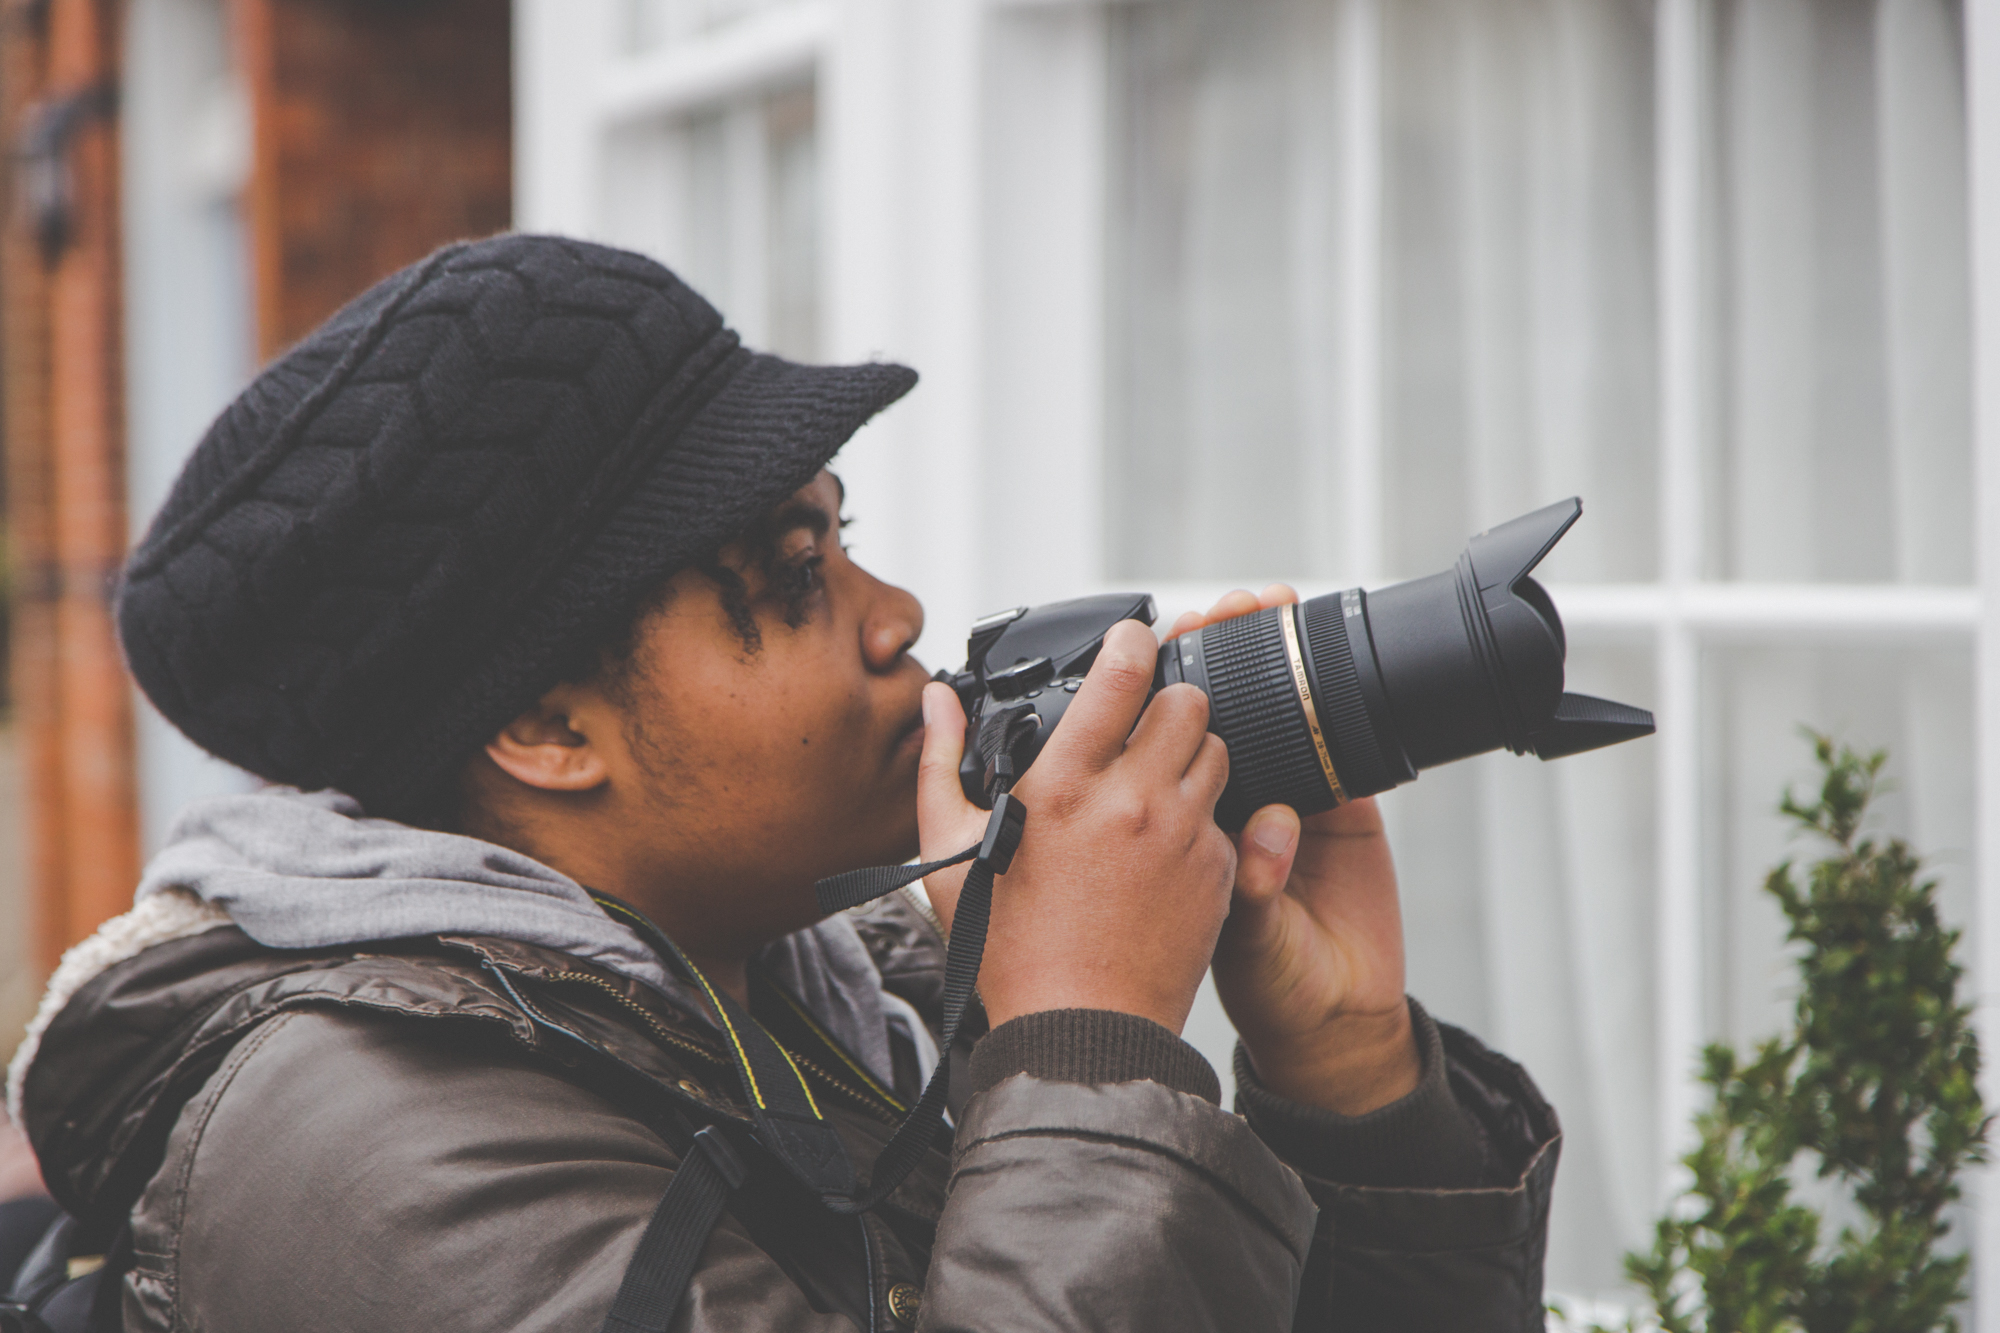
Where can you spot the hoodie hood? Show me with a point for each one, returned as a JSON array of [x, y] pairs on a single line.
[[309, 870]]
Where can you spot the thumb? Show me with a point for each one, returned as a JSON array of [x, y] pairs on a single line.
[[1265, 851], [941, 803], [946, 821]]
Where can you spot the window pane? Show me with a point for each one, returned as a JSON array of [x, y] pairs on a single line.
[[1528, 904], [1519, 277], [1841, 444], [729, 199], [1223, 307], [1518, 346], [1913, 702], [792, 242]]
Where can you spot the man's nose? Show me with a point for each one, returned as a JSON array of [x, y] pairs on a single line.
[[894, 624]]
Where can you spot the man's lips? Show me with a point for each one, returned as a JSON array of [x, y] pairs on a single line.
[[914, 728]]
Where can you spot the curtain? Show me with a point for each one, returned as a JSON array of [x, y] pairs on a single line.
[[1841, 327], [1225, 199], [1518, 269]]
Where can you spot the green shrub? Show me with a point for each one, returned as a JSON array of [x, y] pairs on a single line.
[[1875, 1089]]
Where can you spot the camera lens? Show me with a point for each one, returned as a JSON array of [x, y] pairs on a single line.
[[1353, 693]]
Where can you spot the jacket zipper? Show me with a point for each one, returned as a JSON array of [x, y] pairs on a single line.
[[661, 1033], [667, 1037], [865, 1101]]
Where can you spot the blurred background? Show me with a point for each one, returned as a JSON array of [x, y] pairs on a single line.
[[1204, 293]]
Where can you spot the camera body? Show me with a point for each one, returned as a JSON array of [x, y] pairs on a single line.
[[1323, 701], [1033, 660]]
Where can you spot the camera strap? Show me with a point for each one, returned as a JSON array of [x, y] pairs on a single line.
[[786, 1116], [996, 743], [787, 1120]]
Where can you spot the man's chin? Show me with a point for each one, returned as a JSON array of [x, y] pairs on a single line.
[[896, 845]]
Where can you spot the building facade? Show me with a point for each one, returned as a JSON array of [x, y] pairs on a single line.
[[1214, 292], [192, 185], [1204, 293]]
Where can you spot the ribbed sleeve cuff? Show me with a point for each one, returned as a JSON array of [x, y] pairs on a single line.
[[1091, 1046], [1426, 1140]]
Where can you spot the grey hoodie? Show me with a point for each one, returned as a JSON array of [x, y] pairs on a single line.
[[307, 870]]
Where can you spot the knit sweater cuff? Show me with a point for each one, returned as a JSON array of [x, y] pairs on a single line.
[[1425, 1140], [1091, 1046]]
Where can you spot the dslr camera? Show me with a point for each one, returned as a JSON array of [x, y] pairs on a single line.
[[1326, 700]]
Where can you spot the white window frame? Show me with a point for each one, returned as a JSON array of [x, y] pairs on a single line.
[[962, 148], [1982, 51]]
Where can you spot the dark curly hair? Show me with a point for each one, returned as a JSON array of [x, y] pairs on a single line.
[[612, 660]]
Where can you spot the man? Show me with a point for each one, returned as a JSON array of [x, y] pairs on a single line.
[[525, 580]]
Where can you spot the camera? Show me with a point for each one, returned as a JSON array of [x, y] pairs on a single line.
[[1327, 700]]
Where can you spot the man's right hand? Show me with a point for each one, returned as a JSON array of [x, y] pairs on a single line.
[[1122, 880]]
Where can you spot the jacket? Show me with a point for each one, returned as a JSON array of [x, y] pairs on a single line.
[[396, 1134]]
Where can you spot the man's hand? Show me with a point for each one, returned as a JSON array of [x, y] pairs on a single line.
[[1310, 963], [1122, 880]]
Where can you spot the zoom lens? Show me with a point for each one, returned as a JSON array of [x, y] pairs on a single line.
[[1353, 693]]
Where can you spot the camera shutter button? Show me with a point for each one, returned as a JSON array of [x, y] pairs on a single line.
[[1019, 679]]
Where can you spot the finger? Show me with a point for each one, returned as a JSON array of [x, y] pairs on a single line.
[[1184, 622], [1277, 594], [1095, 725], [1209, 773], [941, 803], [940, 798], [1170, 734], [1241, 602], [1265, 851]]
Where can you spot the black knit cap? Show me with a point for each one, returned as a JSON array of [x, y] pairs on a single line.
[[400, 535]]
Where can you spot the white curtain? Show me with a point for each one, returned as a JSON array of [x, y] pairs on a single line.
[[1518, 271], [1841, 332], [1225, 195], [1841, 432]]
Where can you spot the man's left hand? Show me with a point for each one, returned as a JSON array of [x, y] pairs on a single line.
[[1310, 963]]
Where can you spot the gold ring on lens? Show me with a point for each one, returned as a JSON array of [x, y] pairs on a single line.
[[1287, 618]]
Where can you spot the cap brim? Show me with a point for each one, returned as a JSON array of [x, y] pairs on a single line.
[[765, 433]]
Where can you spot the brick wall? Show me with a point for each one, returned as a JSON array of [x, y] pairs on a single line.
[[65, 464], [383, 130]]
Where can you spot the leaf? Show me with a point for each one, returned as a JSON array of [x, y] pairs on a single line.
[[1875, 1087]]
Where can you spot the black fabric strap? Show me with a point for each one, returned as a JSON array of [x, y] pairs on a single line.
[[788, 1121], [664, 1263], [995, 852], [856, 887], [914, 1137]]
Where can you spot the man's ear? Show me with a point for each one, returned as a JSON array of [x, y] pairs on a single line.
[[558, 744]]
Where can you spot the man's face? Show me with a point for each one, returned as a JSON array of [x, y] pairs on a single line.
[[748, 771]]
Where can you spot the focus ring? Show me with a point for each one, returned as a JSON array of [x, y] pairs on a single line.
[[1342, 711], [1255, 709]]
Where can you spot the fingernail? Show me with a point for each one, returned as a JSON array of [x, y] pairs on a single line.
[[1272, 836], [930, 706]]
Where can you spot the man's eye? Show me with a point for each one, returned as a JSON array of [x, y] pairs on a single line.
[[800, 577]]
